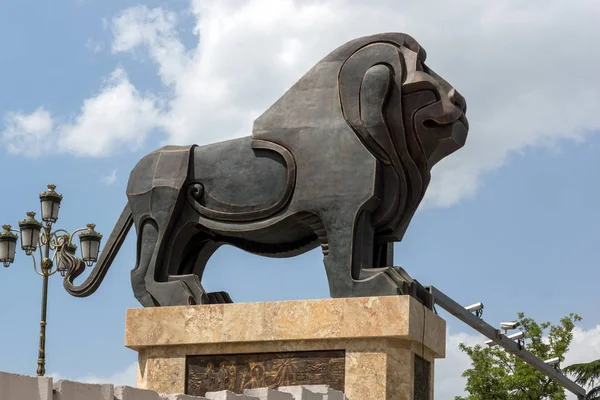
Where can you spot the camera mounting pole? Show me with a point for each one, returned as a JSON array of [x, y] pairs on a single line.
[[509, 345]]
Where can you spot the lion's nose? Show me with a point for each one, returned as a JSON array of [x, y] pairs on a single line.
[[457, 99]]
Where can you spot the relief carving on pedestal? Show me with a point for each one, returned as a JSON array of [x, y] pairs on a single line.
[[211, 373]]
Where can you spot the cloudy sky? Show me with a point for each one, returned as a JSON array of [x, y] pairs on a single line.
[[88, 87]]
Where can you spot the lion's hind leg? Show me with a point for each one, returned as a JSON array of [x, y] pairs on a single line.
[[147, 238], [184, 290], [190, 269], [151, 280]]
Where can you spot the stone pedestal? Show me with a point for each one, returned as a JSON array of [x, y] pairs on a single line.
[[374, 348]]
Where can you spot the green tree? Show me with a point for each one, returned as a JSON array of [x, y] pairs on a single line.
[[498, 375], [587, 375]]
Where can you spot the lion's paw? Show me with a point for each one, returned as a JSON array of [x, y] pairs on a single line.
[[395, 280]]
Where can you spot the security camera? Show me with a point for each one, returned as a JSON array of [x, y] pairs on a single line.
[[517, 336], [509, 325], [474, 307], [553, 361]]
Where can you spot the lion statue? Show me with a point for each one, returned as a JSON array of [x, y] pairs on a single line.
[[341, 161]]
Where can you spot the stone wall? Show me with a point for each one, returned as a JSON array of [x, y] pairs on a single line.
[[21, 387]]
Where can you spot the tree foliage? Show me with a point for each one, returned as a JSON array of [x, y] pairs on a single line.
[[587, 374], [498, 375]]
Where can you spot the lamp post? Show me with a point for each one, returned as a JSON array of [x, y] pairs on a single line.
[[56, 250]]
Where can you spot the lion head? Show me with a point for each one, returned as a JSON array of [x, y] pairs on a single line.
[[404, 113], [385, 83], [441, 124]]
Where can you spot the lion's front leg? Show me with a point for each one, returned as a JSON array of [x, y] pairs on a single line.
[[349, 259], [405, 284], [357, 266]]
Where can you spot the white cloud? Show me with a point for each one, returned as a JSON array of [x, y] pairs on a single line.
[[585, 347], [119, 116], [527, 83], [448, 371], [154, 28], [27, 133], [110, 178]]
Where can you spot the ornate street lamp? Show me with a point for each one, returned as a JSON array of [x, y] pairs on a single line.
[[90, 245], [8, 245], [50, 204], [56, 250]]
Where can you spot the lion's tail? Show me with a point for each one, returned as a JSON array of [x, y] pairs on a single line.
[[112, 247]]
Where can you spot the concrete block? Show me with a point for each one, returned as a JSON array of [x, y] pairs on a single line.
[[227, 395], [302, 393], [320, 389], [329, 393], [17, 387], [68, 390], [131, 393], [268, 394], [308, 392], [333, 394], [180, 397]]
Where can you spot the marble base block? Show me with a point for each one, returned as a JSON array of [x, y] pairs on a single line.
[[372, 348]]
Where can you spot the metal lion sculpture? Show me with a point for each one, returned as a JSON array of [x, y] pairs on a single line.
[[341, 161]]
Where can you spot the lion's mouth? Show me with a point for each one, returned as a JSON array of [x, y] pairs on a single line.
[[449, 119], [459, 128]]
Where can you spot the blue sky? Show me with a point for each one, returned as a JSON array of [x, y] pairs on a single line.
[[88, 87]]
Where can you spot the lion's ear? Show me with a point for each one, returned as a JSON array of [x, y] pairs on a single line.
[[374, 91], [366, 81]]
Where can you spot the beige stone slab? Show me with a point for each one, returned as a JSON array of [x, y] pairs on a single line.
[[380, 336], [396, 317], [165, 374]]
